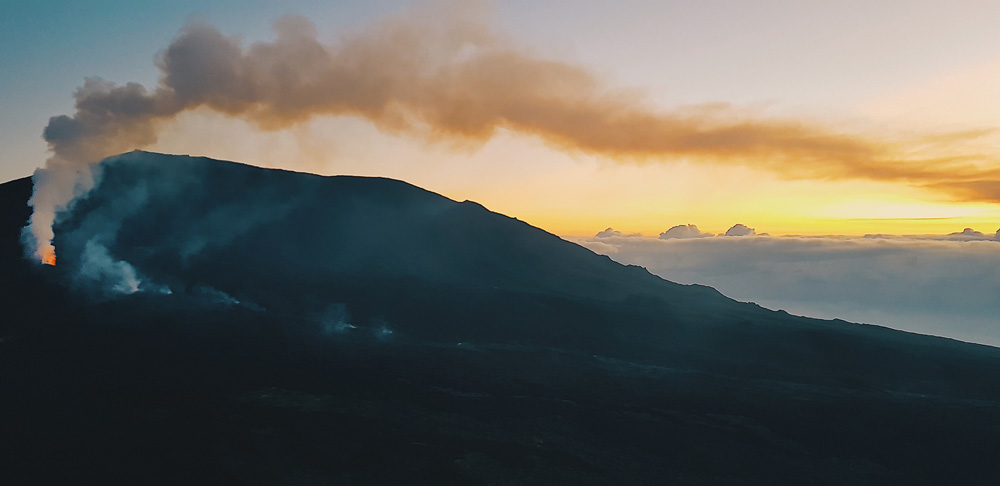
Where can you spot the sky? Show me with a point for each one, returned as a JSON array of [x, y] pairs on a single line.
[[803, 118], [860, 137]]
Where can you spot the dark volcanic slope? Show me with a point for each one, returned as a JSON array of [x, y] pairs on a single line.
[[194, 218], [296, 243], [480, 350]]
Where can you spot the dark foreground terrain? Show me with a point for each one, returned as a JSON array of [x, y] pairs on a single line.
[[387, 335]]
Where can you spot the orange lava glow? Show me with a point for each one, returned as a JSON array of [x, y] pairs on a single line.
[[49, 256]]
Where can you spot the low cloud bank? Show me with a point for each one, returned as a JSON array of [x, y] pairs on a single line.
[[968, 234], [943, 285]]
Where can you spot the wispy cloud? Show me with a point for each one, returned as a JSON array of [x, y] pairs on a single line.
[[974, 190]]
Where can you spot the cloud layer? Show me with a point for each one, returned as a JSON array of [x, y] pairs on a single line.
[[935, 284]]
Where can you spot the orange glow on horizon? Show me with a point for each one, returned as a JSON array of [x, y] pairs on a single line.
[[576, 194]]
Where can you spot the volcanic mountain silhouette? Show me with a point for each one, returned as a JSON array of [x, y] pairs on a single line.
[[355, 330], [183, 219]]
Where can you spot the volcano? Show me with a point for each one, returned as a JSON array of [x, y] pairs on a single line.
[[214, 322]]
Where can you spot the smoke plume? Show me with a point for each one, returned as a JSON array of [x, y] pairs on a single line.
[[440, 75]]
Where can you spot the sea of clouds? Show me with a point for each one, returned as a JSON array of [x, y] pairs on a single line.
[[944, 285]]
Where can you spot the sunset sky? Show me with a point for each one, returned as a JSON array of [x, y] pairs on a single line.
[[792, 117]]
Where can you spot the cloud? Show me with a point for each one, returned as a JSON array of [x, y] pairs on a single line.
[[740, 230], [683, 231], [976, 190], [609, 232], [968, 234], [934, 286]]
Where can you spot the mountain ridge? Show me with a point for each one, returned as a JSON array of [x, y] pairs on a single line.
[[374, 198], [302, 306]]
